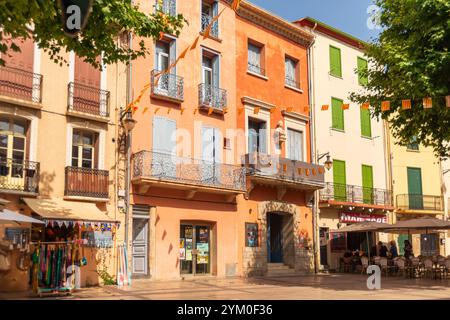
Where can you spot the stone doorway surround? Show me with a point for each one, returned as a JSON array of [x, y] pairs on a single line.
[[255, 259]]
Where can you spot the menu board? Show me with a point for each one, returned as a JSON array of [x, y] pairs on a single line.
[[188, 251]]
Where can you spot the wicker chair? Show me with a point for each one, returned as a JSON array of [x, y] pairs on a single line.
[[415, 267], [428, 267], [384, 265], [400, 264], [364, 264], [347, 264], [447, 267]]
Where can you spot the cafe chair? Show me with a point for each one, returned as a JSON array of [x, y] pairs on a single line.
[[364, 264], [347, 264], [447, 267], [415, 268], [384, 265], [400, 264], [429, 267]]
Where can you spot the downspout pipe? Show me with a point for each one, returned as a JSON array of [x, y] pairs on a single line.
[[312, 138]]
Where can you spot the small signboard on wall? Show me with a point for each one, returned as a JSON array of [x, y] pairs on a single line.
[[359, 217]]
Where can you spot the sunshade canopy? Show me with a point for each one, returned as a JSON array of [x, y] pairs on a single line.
[[8, 216], [59, 209], [418, 225], [364, 226]]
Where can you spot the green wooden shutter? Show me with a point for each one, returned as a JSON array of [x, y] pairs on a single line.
[[366, 127], [339, 180], [337, 121], [367, 183], [362, 66], [415, 188], [335, 62]]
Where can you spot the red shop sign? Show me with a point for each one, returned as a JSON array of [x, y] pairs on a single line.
[[358, 217]]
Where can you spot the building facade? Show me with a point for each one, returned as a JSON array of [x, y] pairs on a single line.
[[58, 127], [272, 92], [356, 182], [418, 190], [185, 180]]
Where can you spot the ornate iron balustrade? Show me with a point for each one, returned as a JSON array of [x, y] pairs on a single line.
[[166, 167], [262, 165], [21, 84], [168, 85], [292, 83], [355, 194], [167, 6], [19, 175], [210, 96], [85, 182], [206, 20], [88, 100], [256, 69], [420, 202]]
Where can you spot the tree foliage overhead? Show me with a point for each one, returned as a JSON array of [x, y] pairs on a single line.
[[108, 20], [411, 60]]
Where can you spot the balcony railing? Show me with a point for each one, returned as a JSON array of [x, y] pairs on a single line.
[[167, 6], [256, 69], [292, 83], [85, 182], [210, 96], [166, 167], [168, 85], [420, 202], [355, 194], [19, 175], [206, 20], [88, 100], [20, 84], [287, 170]]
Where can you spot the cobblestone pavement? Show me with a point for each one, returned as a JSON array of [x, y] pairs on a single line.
[[330, 287]]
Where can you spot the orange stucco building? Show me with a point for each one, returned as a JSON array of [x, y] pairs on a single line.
[[272, 96]]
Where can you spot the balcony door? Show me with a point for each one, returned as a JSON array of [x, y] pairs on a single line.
[[164, 162], [84, 149], [13, 147], [367, 184], [257, 138], [210, 78], [162, 63], [415, 194], [339, 180], [211, 155]]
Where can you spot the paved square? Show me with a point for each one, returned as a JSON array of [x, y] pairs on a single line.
[[327, 287]]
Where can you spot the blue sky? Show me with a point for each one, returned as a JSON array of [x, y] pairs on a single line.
[[347, 15]]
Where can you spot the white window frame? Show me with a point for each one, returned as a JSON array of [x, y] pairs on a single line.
[[297, 125], [263, 115], [101, 144]]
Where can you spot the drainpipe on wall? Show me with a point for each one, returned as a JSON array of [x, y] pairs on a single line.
[[313, 153]]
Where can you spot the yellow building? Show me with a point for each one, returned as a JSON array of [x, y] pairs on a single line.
[[416, 183], [58, 159]]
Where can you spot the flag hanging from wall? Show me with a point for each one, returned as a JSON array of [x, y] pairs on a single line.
[[325, 107], [345, 106], [365, 106]]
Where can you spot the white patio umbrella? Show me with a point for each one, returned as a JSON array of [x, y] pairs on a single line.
[[8, 216]]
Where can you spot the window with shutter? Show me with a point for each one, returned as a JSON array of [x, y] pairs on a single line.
[[254, 58], [366, 127], [337, 121], [362, 67], [291, 72], [335, 62], [295, 145]]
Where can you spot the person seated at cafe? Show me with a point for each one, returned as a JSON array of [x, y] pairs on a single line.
[[382, 250], [408, 249], [347, 254], [393, 249]]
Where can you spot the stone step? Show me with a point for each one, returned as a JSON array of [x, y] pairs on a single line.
[[280, 272], [277, 266]]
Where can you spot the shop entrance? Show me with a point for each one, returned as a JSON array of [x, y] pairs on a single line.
[[323, 232], [429, 244], [195, 249], [274, 238]]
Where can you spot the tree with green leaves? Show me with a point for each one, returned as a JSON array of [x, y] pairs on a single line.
[[411, 60], [109, 19]]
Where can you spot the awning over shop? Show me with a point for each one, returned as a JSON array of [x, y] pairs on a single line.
[[59, 209], [8, 216]]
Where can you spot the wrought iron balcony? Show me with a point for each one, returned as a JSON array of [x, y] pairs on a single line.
[[20, 84], [277, 170], [88, 100], [420, 202], [292, 83], [19, 176], [167, 6], [85, 182], [212, 97], [355, 194], [206, 20], [167, 86], [256, 69], [170, 168]]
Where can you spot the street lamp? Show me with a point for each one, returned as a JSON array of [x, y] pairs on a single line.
[[128, 122], [328, 163]]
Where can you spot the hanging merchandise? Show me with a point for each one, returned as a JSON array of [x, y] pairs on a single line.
[[123, 272]]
